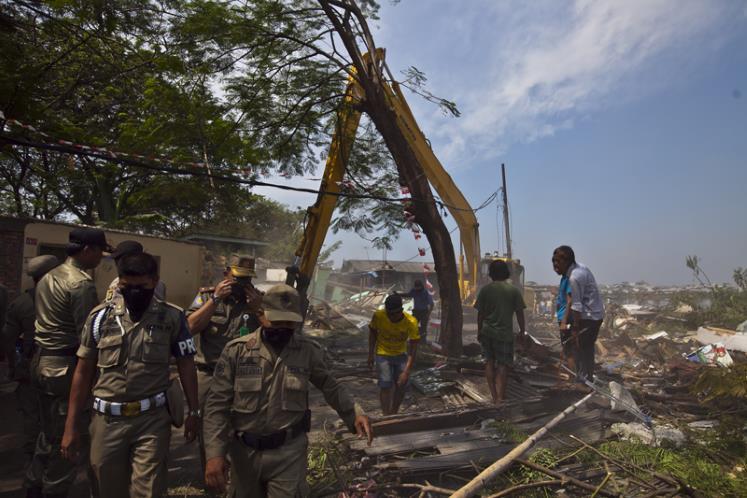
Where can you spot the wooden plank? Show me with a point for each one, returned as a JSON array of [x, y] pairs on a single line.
[[415, 441], [472, 390], [450, 461], [448, 447], [434, 421]]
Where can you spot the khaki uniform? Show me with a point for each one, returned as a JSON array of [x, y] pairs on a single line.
[[64, 297], [229, 320], [256, 394], [19, 331], [131, 427]]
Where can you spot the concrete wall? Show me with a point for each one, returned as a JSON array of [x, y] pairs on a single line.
[[11, 252], [182, 265]]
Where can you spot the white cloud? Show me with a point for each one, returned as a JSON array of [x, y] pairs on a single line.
[[547, 66]]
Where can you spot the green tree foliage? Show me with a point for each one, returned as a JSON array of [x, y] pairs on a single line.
[[250, 88], [157, 78]]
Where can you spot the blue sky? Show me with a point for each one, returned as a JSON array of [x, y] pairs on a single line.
[[623, 126]]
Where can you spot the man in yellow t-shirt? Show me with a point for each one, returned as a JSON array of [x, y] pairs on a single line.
[[394, 338]]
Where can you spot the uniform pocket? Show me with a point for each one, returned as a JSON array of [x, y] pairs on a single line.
[[217, 324], [155, 348], [247, 393], [110, 350], [56, 375], [295, 392]]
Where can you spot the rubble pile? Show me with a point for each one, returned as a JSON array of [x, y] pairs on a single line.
[[645, 415]]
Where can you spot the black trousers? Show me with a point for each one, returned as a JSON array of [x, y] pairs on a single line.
[[587, 337], [422, 316]]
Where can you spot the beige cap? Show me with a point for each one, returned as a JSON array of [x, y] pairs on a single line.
[[282, 304], [242, 267]]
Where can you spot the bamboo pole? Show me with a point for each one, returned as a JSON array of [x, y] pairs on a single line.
[[504, 463]]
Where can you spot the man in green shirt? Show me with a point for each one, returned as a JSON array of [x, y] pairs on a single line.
[[496, 304]]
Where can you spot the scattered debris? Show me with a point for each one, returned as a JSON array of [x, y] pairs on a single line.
[[732, 340], [712, 354], [651, 436]]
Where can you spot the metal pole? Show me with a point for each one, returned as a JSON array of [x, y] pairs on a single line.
[[505, 212]]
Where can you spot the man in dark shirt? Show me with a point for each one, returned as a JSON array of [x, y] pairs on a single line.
[[422, 305], [496, 304]]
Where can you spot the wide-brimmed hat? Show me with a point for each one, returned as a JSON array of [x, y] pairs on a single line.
[[242, 266], [282, 303]]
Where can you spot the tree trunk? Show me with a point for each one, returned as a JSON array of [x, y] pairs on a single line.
[[410, 170], [426, 215]]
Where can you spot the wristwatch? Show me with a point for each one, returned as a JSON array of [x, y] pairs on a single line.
[[195, 413], [215, 299]]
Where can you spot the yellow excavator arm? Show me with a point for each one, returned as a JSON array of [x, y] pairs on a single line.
[[319, 216]]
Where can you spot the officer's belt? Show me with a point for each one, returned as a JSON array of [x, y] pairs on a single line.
[[58, 352], [276, 439], [129, 409]]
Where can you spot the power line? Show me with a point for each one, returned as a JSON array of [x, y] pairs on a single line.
[[136, 160]]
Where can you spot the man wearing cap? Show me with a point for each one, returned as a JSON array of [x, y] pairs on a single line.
[[257, 410], [19, 336], [218, 315], [125, 248], [422, 305], [63, 299], [392, 344], [125, 349]]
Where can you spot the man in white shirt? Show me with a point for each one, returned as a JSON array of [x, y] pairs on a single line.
[[587, 309]]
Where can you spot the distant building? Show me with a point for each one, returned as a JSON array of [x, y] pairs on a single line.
[[368, 273], [183, 266]]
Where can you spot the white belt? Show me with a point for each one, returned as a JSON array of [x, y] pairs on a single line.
[[129, 409]]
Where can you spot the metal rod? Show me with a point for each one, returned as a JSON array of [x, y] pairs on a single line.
[[505, 212]]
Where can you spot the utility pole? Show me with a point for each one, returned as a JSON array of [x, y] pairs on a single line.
[[505, 212]]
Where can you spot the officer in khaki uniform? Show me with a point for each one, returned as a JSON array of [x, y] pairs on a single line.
[[63, 299], [19, 334], [128, 342], [126, 248], [218, 315], [257, 410]]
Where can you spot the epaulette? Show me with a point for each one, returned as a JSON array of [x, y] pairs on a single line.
[[172, 305]]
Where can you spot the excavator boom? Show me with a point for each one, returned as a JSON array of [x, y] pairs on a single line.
[[319, 216]]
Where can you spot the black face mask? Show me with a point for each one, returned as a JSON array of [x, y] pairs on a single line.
[[137, 299], [277, 337], [238, 292]]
